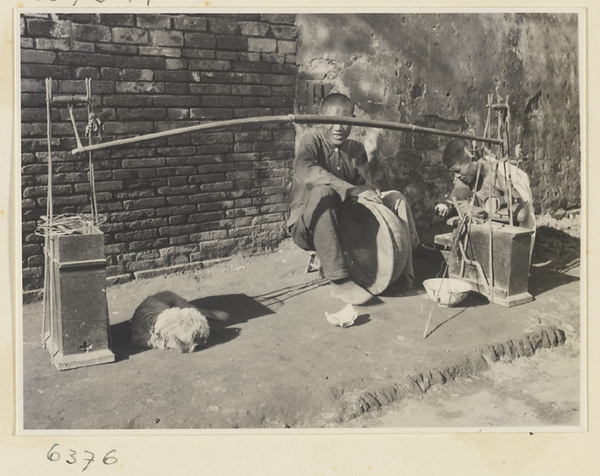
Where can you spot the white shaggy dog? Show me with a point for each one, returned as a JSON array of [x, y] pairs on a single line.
[[167, 321]]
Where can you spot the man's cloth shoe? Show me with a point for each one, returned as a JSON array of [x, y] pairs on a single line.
[[350, 292]]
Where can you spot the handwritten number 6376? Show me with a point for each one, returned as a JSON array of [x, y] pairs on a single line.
[[89, 457]]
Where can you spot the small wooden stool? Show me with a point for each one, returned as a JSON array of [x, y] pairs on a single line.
[[314, 264]]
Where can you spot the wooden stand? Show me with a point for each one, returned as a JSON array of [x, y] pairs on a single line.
[[79, 332], [511, 247]]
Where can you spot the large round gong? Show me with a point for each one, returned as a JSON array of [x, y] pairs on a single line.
[[375, 243]]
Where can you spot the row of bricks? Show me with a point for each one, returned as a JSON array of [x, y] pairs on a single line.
[[32, 243], [181, 173], [174, 94], [199, 70], [165, 109], [244, 150], [174, 175], [35, 186], [33, 251], [167, 44], [45, 52], [66, 162], [168, 39], [146, 198], [65, 184], [237, 189], [135, 219], [198, 202], [203, 230], [238, 180], [139, 256], [93, 26], [193, 231], [197, 83], [143, 168], [177, 154], [33, 208], [171, 160], [255, 241], [176, 215]]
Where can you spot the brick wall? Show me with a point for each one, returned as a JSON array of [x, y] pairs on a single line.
[[174, 201]]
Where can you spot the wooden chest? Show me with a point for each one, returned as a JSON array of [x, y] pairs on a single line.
[[79, 327], [504, 279]]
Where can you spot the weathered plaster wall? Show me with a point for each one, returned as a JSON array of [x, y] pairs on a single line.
[[436, 70]]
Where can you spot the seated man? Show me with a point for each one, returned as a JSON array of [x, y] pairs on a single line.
[[490, 195], [328, 169]]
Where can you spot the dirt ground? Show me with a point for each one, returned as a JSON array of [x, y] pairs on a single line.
[[279, 364]]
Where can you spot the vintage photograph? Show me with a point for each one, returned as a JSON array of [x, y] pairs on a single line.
[[301, 221]]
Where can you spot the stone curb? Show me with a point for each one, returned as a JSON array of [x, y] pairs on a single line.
[[542, 337]]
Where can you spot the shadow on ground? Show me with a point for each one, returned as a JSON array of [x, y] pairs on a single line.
[[240, 308], [555, 255]]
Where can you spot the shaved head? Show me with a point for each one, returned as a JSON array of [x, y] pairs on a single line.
[[336, 101], [455, 153]]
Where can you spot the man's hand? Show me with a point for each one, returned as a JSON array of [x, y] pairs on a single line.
[[442, 210], [463, 207], [365, 192]]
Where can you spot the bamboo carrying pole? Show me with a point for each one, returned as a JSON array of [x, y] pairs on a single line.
[[290, 118]]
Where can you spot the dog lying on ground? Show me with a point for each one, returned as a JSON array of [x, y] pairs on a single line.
[[167, 321]]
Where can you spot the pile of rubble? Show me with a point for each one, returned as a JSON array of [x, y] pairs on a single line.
[[568, 221], [558, 237]]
